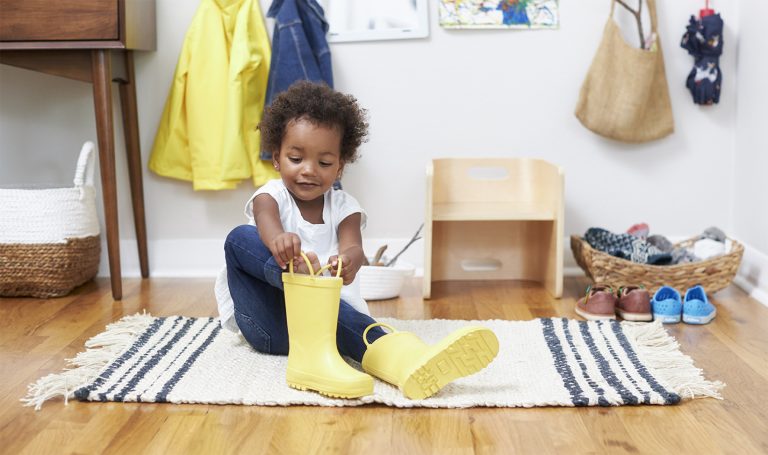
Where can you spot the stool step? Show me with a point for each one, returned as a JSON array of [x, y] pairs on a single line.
[[488, 211]]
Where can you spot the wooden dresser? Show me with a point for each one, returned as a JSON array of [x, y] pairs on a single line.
[[91, 41]]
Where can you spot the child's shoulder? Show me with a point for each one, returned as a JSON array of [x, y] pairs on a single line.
[[272, 185], [275, 188]]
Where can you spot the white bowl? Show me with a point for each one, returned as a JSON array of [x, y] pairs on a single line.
[[379, 283]]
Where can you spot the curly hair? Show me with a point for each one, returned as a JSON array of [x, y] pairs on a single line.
[[320, 105]]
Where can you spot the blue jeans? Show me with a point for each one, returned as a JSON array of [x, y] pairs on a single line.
[[256, 285]]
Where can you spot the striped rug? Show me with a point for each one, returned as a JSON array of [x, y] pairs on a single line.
[[543, 362]]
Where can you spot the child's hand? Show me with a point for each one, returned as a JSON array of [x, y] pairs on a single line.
[[300, 266], [348, 267], [287, 246]]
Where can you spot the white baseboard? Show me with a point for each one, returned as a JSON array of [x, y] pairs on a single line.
[[180, 258], [200, 258], [204, 257], [573, 271], [752, 276], [195, 258]]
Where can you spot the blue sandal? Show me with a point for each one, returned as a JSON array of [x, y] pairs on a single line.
[[666, 305], [696, 308]]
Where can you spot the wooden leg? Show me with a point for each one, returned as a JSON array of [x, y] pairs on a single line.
[[102, 100], [131, 130], [553, 255], [426, 284]]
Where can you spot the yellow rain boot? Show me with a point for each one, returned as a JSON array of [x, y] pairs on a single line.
[[420, 370], [312, 311]]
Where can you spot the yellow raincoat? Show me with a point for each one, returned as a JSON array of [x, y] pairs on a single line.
[[207, 133]]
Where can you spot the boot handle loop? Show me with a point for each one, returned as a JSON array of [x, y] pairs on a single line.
[[311, 270], [378, 324], [326, 267]]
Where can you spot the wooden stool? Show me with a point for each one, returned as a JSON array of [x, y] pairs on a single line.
[[494, 219]]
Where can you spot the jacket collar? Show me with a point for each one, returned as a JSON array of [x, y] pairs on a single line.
[[289, 9]]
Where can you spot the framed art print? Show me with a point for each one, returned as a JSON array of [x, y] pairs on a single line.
[[512, 14]]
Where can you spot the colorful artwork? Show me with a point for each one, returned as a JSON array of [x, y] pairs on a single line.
[[518, 14]]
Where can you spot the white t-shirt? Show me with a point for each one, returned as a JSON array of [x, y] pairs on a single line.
[[323, 239]]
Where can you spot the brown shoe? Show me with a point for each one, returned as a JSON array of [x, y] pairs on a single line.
[[599, 303], [634, 304]]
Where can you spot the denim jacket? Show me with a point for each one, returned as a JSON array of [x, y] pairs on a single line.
[[299, 48]]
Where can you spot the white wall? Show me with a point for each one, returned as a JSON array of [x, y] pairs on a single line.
[[456, 93], [750, 209]]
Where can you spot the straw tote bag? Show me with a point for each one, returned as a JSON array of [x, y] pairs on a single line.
[[625, 94]]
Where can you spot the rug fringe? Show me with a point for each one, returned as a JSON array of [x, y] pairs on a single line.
[[85, 366], [661, 352]]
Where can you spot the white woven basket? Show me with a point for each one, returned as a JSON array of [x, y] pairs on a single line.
[[49, 237], [379, 282]]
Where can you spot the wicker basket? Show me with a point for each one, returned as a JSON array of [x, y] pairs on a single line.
[[713, 274], [49, 237]]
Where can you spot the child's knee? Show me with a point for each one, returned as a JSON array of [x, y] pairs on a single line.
[[245, 237], [243, 234], [244, 249]]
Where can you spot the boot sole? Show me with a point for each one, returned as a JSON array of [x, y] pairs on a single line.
[[463, 353], [324, 386]]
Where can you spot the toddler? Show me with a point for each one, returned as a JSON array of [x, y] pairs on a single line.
[[313, 132]]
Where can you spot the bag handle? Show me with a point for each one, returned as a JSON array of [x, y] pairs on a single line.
[[651, 12], [85, 166], [311, 270]]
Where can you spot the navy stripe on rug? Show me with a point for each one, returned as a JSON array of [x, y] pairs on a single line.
[[103, 396], [171, 363], [561, 363], [616, 358], [669, 397], [168, 387], [601, 400], [141, 341], [602, 364], [153, 361]]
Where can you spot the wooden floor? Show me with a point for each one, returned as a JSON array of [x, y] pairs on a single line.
[[38, 335]]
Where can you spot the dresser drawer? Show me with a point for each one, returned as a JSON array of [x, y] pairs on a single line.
[[59, 20]]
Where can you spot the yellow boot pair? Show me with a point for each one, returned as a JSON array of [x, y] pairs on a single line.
[[400, 358], [421, 370]]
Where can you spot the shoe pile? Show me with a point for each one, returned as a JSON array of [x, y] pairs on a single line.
[[638, 246], [634, 303]]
